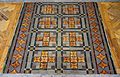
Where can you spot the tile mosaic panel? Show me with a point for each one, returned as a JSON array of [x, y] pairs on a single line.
[[60, 38]]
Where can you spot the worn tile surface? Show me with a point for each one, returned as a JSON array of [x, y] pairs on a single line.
[[60, 38]]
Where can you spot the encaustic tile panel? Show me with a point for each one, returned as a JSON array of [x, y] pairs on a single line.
[[60, 38]]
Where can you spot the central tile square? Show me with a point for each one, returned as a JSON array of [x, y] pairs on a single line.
[[46, 39], [72, 39]]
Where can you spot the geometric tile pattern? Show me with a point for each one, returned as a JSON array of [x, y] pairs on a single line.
[[48, 22], [60, 38], [44, 60], [49, 9], [99, 47], [71, 22], [73, 60], [46, 39], [70, 9], [72, 39]]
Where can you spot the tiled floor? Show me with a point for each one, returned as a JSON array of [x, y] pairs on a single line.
[[60, 38]]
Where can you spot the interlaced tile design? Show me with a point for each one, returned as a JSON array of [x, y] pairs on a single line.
[[60, 38]]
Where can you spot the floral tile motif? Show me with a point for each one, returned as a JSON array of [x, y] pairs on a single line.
[[49, 9], [72, 39], [70, 9], [44, 60], [71, 22], [73, 60], [47, 22], [46, 39]]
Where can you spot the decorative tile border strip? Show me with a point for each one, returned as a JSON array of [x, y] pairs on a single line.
[[23, 29], [40, 75], [100, 51], [57, 0]]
